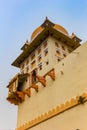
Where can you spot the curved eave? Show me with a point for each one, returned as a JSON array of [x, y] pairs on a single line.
[[59, 35], [38, 40]]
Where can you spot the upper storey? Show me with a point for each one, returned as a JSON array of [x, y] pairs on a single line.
[[45, 24], [41, 33]]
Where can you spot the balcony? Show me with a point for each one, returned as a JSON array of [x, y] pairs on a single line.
[[16, 86]]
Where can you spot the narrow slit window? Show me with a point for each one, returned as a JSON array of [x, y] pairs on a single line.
[[57, 52], [32, 57], [56, 44], [47, 62], [39, 50], [40, 66], [27, 69], [34, 76], [27, 62], [63, 47], [33, 64], [58, 59], [69, 51], [64, 55], [45, 44], [22, 67], [39, 58], [46, 52]]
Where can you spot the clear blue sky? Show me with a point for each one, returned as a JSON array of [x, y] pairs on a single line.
[[18, 19]]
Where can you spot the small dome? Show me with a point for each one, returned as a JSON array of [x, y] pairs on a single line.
[[61, 29], [56, 26], [36, 32]]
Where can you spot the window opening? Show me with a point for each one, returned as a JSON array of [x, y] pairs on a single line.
[[63, 47], [19, 86], [57, 52], [69, 51], [58, 59], [34, 76], [27, 62], [39, 58], [27, 69], [32, 57], [47, 62], [40, 66], [46, 52], [45, 44], [22, 66], [33, 64], [56, 44], [39, 50], [64, 55]]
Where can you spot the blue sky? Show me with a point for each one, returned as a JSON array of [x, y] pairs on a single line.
[[18, 19]]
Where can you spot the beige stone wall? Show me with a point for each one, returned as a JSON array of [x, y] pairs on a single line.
[[73, 119], [51, 57], [70, 82]]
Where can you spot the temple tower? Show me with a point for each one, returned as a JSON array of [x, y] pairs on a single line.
[[46, 89]]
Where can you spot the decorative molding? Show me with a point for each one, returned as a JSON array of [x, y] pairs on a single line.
[[55, 111]]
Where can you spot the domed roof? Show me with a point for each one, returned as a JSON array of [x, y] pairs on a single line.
[[55, 26], [36, 32], [61, 29]]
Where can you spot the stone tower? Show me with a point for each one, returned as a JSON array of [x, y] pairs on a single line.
[[48, 87]]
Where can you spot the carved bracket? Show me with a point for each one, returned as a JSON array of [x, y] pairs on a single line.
[[20, 95], [52, 74], [27, 92], [12, 98], [42, 80], [35, 87]]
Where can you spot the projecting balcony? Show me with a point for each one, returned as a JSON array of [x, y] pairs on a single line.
[[15, 86], [22, 84]]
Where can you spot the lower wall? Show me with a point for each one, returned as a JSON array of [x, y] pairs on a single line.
[[72, 113], [72, 119], [70, 81]]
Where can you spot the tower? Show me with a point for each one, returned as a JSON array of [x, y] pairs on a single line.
[[42, 89]]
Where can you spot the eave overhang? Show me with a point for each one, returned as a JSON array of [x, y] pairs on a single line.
[[47, 31]]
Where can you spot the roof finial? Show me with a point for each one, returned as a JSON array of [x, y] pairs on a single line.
[[46, 18], [26, 41]]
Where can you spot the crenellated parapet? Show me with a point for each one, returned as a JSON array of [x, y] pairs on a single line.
[[73, 102]]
